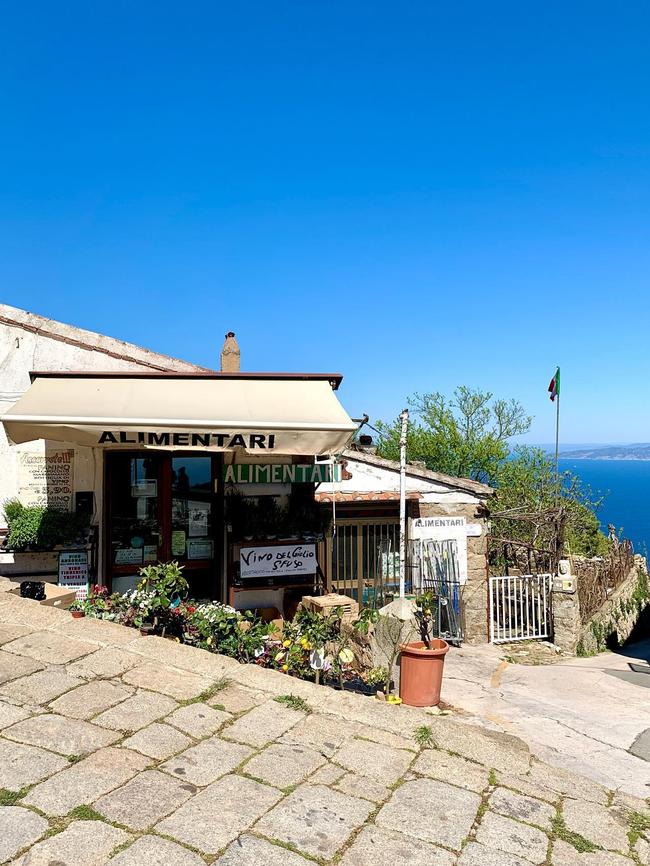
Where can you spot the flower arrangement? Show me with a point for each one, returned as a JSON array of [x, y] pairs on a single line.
[[315, 646]]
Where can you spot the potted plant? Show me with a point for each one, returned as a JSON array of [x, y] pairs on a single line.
[[422, 662], [77, 608], [163, 589]]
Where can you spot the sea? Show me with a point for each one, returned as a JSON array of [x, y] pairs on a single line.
[[625, 485]]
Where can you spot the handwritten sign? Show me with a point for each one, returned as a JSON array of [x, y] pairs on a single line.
[[275, 561], [45, 478]]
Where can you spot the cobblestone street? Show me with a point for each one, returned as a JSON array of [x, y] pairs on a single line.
[[122, 749]]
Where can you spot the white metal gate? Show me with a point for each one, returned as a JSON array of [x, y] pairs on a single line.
[[520, 607]]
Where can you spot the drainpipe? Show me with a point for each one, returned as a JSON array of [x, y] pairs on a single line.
[[404, 418]]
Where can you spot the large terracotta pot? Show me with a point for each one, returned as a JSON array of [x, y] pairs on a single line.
[[421, 672]]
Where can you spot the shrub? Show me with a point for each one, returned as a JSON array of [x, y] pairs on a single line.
[[41, 528]]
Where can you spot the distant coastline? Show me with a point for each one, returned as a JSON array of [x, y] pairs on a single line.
[[610, 452]]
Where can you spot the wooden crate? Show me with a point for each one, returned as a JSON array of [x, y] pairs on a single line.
[[325, 603]]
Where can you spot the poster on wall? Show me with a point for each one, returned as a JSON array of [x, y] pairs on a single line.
[[46, 478], [73, 571], [289, 559], [197, 514], [128, 556], [200, 548], [422, 529]]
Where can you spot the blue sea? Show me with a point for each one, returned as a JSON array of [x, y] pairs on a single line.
[[626, 483]]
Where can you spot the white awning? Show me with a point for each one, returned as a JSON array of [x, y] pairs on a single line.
[[254, 415]]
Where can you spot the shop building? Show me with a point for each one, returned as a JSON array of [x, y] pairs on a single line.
[[158, 452]]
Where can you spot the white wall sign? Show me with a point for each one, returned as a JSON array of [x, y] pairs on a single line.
[[276, 561], [46, 478], [443, 529], [73, 571], [438, 527]]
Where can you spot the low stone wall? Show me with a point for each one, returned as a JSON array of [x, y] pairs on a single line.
[[613, 622]]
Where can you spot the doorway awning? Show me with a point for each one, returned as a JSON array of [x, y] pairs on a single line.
[[252, 413]]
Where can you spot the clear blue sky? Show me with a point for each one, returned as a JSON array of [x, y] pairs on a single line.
[[418, 194]]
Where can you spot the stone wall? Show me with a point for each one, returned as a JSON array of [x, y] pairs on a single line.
[[611, 625], [475, 592]]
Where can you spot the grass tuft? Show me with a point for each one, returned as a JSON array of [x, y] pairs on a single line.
[[10, 798], [639, 826], [584, 846], [492, 778], [85, 813], [423, 736], [293, 702]]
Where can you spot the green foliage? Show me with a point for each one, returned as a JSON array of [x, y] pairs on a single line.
[[13, 509], [224, 630], [639, 826], [575, 839], [423, 736], [10, 798], [465, 436], [165, 580], [468, 436], [85, 813], [41, 528], [641, 593], [293, 702], [377, 677]]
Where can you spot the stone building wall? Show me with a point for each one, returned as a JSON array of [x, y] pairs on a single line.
[[475, 592]]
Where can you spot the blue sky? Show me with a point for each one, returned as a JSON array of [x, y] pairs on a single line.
[[419, 195]]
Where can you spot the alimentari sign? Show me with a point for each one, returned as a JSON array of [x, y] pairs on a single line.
[[281, 473], [182, 439]]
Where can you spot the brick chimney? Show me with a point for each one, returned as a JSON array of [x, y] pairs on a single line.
[[230, 354]]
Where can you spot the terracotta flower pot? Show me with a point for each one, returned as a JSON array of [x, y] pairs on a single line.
[[421, 669], [77, 614]]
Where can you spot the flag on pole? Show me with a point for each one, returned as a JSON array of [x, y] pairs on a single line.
[[554, 387]]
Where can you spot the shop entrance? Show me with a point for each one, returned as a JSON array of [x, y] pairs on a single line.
[[162, 506]]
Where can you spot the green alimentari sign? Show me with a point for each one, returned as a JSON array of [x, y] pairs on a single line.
[[281, 473]]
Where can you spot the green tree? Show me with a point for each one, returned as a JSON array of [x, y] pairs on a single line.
[[468, 436], [465, 436]]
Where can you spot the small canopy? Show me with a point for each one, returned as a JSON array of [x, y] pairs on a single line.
[[251, 413]]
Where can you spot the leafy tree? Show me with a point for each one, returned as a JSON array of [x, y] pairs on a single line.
[[465, 436]]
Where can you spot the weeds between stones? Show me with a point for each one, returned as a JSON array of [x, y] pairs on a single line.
[[423, 736], [293, 702], [582, 845]]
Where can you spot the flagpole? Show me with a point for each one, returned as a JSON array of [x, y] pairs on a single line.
[[557, 433]]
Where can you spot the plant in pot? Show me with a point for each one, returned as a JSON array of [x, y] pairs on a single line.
[[164, 588], [78, 608], [422, 662]]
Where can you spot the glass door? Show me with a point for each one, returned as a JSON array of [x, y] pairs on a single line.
[[161, 507], [192, 535]]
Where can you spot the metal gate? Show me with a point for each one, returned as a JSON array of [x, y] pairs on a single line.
[[363, 558], [520, 607]]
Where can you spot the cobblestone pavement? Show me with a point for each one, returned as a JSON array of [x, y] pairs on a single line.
[[126, 750]]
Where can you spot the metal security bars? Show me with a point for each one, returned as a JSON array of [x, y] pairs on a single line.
[[435, 569], [520, 607], [363, 557]]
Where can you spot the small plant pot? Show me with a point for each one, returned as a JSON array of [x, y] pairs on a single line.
[[147, 630], [77, 614], [421, 668], [358, 686]]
